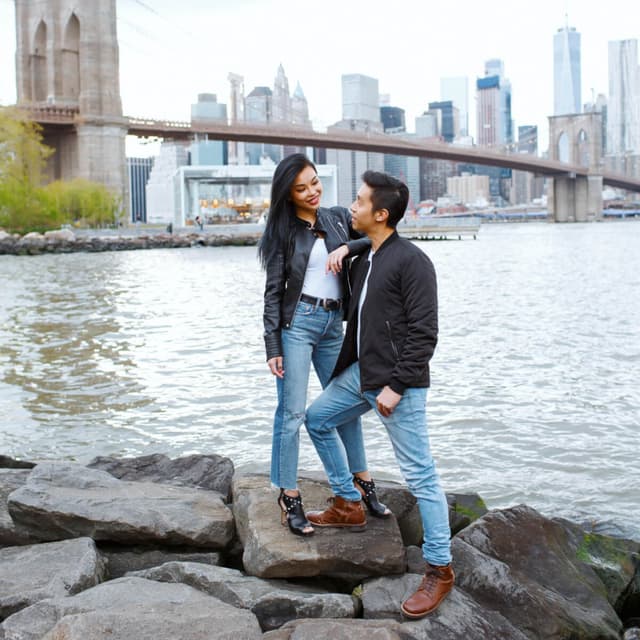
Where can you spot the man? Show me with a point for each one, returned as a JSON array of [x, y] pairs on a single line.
[[392, 328]]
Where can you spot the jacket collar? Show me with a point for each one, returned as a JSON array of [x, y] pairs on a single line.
[[390, 240]]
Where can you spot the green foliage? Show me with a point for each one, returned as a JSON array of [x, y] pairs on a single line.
[[25, 204]]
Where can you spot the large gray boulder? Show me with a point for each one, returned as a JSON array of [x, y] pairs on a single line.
[[459, 616], [55, 569], [65, 500], [526, 567], [211, 471], [271, 551], [274, 602], [132, 608], [12, 534]]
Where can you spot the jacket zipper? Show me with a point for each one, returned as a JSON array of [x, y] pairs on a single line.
[[393, 344]]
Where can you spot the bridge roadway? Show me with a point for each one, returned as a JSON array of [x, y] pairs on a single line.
[[337, 139]]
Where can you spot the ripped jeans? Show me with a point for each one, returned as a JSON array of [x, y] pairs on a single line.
[[315, 337]]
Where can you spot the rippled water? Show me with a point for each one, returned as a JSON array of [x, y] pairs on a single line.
[[534, 394]]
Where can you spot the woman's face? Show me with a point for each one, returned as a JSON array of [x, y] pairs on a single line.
[[306, 191]]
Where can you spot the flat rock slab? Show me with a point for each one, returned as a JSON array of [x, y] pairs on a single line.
[[121, 559], [12, 534], [272, 551], [132, 608], [274, 602], [64, 500], [211, 471], [32, 573], [343, 630]]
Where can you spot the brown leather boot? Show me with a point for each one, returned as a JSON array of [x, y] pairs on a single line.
[[435, 585], [342, 513]]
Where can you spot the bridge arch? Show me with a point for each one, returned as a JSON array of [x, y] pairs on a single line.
[[563, 147], [71, 59], [38, 64]]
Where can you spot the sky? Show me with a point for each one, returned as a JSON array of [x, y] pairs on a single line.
[[171, 51]]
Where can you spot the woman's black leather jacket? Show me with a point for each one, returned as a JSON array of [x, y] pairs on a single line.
[[286, 270]]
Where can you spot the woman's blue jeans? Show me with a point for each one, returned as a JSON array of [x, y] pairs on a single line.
[[315, 337], [338, 406]]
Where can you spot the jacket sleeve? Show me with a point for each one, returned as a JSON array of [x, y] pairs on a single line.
[[359, 243], [420, 296], [272, 316]]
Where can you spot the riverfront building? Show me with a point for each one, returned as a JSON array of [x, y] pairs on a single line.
[[567, 95]]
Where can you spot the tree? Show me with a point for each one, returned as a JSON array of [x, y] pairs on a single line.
[[27, 205]]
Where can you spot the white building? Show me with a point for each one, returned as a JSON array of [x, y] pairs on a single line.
[[360, 98]]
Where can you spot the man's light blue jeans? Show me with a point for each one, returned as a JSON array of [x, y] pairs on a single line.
[[339, 405], [315, 337]]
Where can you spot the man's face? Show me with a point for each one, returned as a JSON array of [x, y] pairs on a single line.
[[362, 214]]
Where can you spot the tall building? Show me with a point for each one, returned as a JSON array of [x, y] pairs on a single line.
[[493, 119], [525, 186], [139, 171], [281, 98], [623, 110], [448, 119], [258, 109], [204, 151], [567, 95], [392, 118], [457, 91], [236, 114], [360, 98], [404, 168], [360, 112]]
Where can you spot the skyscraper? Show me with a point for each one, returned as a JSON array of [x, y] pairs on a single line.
[[457, 90], [566, 72], [623, 110], [448, 119], [360, 112], [494, 106], [360, 98]]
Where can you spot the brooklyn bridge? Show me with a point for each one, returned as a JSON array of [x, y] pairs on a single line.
[[68, 82]]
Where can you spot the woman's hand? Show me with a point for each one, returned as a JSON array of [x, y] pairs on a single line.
[[275, 366], [335, 258]]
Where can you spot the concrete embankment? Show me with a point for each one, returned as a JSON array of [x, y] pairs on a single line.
[[188, 548]]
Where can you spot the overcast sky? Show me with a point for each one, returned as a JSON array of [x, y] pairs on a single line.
[[171, 51]]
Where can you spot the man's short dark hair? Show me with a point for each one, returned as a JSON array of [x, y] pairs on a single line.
[[387, 193]]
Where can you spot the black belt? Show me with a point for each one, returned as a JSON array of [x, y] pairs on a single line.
[[326, 303]]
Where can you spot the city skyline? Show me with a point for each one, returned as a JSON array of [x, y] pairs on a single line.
[[316, 46]]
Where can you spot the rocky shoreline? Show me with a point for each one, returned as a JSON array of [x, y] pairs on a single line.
[[186, 548], [66, 241]]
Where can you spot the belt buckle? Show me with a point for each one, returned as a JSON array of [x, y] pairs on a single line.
[[325, 304]]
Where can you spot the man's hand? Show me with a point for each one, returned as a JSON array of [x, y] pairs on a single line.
[[335, 258], [275, 366], [387, 401]]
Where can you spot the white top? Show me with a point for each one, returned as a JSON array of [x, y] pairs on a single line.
[[363, 295], [317, 282]]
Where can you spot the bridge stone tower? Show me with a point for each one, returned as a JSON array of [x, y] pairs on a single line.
[[67, 61], [577, 140]]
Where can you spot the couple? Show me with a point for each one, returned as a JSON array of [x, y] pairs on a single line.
[[389, 300]]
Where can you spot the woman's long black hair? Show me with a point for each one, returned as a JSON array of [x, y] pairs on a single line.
[[281, 210]]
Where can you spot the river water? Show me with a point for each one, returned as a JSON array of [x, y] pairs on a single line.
[[534, 383]]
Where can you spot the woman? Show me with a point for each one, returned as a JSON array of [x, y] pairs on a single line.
[[304, 304]]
